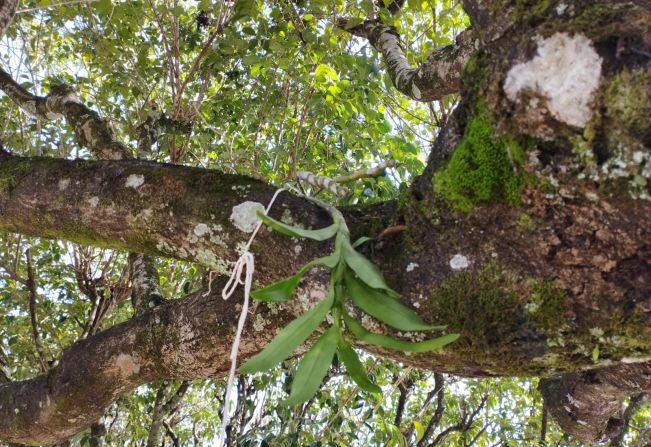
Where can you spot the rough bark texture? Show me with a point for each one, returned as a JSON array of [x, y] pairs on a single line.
[[435, 78], [528, 232], [7, 11], [92, 131]]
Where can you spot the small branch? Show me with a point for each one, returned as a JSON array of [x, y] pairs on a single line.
[[55, 5], [153, 437], [5, 372], [637, 401], [543, 427], [405, 389], [439, 391], [145, 283], [435, 78], [170, 432], [91, 130], [366, 173], [163, 409], [31, 285]]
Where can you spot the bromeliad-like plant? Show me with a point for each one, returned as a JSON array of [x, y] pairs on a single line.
[[354, 276]]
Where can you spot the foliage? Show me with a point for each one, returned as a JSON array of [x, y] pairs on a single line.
[[352, 275]]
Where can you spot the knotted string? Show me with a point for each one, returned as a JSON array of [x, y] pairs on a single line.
[[246, 263]]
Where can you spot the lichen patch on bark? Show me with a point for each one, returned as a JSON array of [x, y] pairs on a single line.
[[566, 71]]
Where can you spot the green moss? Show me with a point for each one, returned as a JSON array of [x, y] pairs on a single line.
[[526, 223], [547, 305], [478, 304], [482, 168], [628, 101], [13, 170], [505, 325]]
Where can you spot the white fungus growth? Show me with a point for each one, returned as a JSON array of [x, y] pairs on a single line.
[[459, 262], [93, 201], [245, 217], [566, 70], [411, 266], [134, 181], [201, 229]]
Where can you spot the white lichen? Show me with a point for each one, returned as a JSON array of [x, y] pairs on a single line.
[[201, 229], [566, 70], [134, 181], [93, 201], [415, 91], [411, 266], [459, 262], [127, 365], [245, 217], [64, 183]]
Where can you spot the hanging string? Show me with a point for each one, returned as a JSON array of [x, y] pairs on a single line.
[[246, 264]]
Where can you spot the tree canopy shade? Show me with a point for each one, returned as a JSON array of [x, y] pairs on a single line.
[[511, 205]]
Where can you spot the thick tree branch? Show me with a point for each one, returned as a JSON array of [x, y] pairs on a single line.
[[588, 404], [155, 208], [187, 338], [435, 78], [91, 130], [7, 11]]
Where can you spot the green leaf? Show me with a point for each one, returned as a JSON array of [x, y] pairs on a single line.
[[365, 269], [283, 290], [384, 308], [420, 430], [313, 367], [389, 342], [289, 338], [279, 291], [318, 235], [361, 241], [355, 368]]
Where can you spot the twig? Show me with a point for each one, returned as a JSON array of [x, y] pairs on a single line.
[[54, 5], [31, 285]]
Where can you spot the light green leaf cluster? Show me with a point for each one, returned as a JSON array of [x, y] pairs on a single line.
[[353, 276]]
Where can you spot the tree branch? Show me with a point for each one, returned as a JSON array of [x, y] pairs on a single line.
[[145, 283], [435, 78], [31, 285], [637, 401], [7, 12], [187, 338], [91, 130]]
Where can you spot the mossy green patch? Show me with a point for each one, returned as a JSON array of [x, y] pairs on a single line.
[[547, 304], [13, 169], [505, 325], [526, 223], [628, 101], [482, 168]]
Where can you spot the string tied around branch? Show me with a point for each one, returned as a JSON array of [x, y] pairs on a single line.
[[244, 265]]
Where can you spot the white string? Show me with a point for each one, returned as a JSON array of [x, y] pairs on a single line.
[[245, 263]]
